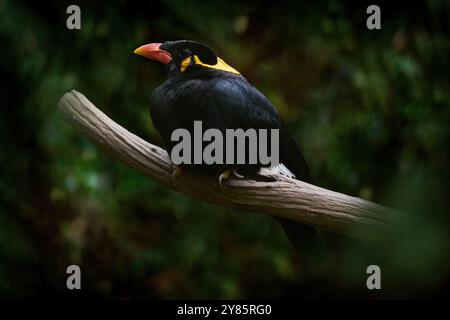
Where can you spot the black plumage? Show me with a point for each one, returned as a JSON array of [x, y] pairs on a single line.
[[224, 100]]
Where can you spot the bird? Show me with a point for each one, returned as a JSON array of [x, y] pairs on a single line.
[[200, 86]]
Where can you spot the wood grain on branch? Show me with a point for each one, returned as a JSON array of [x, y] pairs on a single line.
[[278, 196]]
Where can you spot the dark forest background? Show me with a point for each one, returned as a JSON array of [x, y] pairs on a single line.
[[369, 108]]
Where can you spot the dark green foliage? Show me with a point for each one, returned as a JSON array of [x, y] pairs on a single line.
[[369, 108]]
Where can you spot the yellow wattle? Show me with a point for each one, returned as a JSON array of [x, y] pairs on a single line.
[[220, 65]]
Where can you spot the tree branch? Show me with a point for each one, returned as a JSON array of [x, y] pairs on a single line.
[[278, 196]]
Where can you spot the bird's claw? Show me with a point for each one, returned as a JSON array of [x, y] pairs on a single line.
[[236, 174], [224, 176], [227, 174]]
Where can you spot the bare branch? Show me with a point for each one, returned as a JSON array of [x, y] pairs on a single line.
[[277, 196]]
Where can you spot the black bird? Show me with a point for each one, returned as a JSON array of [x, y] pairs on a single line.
[[201, 86]]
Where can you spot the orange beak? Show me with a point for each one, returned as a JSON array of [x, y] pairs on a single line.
[[153, 52]]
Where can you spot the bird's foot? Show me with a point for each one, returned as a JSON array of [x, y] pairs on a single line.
[[237, 175], [227, 174], [224, 176]]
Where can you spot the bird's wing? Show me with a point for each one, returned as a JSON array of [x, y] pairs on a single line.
[[232, 103]]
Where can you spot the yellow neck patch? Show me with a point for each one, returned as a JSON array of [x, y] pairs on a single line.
[[220, 65]]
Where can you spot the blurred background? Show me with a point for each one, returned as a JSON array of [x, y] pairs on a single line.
[[369, 108]]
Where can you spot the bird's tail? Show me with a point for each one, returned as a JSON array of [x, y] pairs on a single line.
[[304, 238]]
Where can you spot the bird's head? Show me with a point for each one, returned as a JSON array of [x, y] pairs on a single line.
[[183, 56]]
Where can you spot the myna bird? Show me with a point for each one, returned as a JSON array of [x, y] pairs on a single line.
[[202, 87]]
